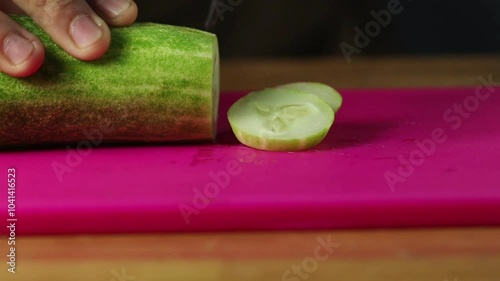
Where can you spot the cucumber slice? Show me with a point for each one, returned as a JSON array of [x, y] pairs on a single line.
[[325, 92], [280, 120]]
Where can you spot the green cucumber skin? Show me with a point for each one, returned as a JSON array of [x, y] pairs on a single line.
[[156, 83]]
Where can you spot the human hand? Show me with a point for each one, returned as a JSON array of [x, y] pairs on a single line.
[[80, 27]]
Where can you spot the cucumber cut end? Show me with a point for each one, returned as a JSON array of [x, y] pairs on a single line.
[[215, 87]]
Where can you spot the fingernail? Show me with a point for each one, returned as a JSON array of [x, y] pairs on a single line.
[[85, 31], [17, 49], [114, 8]]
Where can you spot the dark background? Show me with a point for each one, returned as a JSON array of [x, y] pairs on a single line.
[[286, 28]]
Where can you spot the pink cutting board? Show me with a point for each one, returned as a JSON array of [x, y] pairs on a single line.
[[339, 184]]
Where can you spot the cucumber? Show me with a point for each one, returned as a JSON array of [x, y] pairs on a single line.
[[325, 92], [156, 83], [280, 120]]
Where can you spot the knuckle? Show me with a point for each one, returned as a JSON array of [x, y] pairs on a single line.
[[46, 12], [52, 7]]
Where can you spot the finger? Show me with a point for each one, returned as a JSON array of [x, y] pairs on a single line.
[[116, 12], [21, 53], [72, 24]]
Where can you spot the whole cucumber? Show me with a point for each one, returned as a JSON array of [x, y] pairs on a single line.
[[156, 83]]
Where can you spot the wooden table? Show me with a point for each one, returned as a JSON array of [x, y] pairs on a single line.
[[393, 254]]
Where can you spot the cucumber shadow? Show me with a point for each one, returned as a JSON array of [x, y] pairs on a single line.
[[348, 134], [344, 133], [341, 135]]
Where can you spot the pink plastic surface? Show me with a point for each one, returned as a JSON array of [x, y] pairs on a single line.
[[341, 183]]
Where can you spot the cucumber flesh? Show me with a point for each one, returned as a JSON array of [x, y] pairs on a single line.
[[280, 120], [325, 92]]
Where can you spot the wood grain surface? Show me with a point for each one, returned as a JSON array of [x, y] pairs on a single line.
[[377, 72], [432, 254]]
